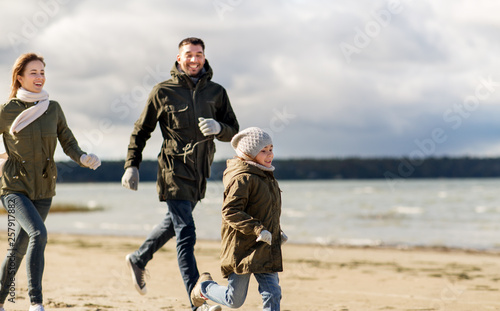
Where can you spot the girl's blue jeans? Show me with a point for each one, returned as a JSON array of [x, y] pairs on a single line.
[[29, 238], [234, 294]]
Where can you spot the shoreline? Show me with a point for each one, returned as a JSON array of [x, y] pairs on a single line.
[[88, 272], [400, 247]]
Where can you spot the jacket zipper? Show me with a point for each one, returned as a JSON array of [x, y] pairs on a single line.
[[195, 153]]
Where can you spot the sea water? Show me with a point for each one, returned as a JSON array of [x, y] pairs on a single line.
[[458, 213]]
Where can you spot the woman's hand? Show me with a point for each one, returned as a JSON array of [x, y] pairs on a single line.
[[90, 160]]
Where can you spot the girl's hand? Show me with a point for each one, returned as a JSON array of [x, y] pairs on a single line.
[[284, 238]]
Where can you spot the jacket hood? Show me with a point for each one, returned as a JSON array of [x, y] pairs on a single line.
[[181, 76], [237, 166]]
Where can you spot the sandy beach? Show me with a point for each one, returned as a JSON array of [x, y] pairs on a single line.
[[89, 273]]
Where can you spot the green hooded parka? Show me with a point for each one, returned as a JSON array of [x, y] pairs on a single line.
[[252, 203], [186, 154]]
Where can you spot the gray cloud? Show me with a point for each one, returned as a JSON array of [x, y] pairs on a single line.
[[411, 67]]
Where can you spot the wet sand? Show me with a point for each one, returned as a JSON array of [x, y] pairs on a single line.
[[89, 273]]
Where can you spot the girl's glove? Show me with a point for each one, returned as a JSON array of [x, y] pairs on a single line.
[[284, 238], [265, 236], [90, 160]]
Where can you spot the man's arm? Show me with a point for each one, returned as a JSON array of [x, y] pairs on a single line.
[[227, 120], [143, 128]]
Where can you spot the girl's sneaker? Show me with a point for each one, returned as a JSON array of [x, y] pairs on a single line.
[[207, 307], [37, 307]]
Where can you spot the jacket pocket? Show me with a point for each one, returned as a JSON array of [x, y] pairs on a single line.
[[14, 172], [178, 116], [48, 124], [173, 178], [210, 151], [49, 174], [172, 170], [181, 170]]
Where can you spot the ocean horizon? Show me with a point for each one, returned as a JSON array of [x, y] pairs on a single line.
[[451, 213]]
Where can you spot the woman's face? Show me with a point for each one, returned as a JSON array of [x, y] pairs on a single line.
[[33, 78]]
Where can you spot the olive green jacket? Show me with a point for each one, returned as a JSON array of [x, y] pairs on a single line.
[[252, 203], [186, 154], [31, 169]]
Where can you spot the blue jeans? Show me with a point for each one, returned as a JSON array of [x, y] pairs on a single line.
[[29, 239], [178, 222], [234, 295]]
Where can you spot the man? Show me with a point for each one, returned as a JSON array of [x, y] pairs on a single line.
[[191, 111]]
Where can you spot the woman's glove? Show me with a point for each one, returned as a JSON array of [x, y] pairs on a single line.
[[265, 236], [284, 238], [130, 179], [209, 126], [90, 160]]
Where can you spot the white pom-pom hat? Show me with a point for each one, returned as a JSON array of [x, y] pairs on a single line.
[[249, 142]]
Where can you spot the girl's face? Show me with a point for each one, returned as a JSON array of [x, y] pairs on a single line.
[[33, 78], [265, 156]]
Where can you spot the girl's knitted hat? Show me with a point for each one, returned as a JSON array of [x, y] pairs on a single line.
[[249, 142]]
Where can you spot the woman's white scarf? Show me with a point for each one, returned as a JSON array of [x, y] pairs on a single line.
[[31, 114], [27, 116]]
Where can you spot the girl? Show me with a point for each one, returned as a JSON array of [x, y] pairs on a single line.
[[251, 231], [31, 124]]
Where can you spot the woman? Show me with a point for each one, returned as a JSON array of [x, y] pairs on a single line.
[[31, 125]]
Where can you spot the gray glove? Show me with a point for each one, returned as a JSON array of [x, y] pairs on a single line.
[[90, 160], [265, 236], [209, 126], [130, 179]]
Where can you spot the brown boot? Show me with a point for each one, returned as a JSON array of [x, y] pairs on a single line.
[[197, 298]]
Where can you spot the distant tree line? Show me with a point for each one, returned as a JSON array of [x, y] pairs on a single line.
[[309, 169]]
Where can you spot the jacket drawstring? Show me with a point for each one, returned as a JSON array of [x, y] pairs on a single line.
[[189, 148]]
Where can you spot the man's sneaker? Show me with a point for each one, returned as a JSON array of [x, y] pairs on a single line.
[[138, 276], [207, 307], [37, 307], [197, 298]]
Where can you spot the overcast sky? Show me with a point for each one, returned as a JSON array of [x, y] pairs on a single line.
[[364, 78]]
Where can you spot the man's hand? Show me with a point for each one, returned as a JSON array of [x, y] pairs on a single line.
[[209, 126], [265, 236], [130, 179]]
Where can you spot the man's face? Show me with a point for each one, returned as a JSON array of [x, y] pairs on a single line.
[[191, 58]]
